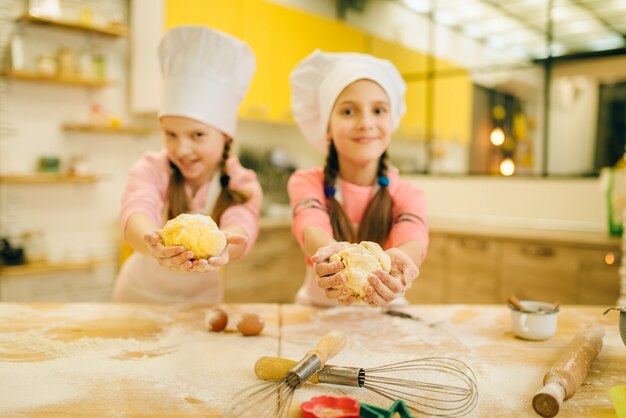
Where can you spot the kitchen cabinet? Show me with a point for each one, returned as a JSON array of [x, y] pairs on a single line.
[[280, 37], [598, 276], [453, 107], [432, 284], [58, 285], [468, 268], [472, 268], [45, 267], [273, 271], [257, 28], [488, 266], [535, 271]]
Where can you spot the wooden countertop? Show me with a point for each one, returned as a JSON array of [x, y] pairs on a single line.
[[507, 232], [546, 235], [159, 360]]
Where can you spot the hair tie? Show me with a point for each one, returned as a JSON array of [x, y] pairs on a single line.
[[329, 191], [383, 181], [224, 180]]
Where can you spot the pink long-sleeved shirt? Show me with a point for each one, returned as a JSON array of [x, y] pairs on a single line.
[[146, 192], [309, 205], [141, 279], [306, 195]]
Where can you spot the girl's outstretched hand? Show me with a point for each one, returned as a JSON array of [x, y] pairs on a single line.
[[215, 262], [170, 258], [385, 287], [329, 276]]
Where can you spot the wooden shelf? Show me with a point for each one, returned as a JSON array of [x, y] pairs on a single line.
[[122, 130], [47, 178], [114, 30], [33, 76], [47, 267]]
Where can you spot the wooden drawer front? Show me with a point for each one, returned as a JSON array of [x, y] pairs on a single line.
[[598, 277], [472, 268], [273, 271], [430, 286], [538, 272], [90, 286]]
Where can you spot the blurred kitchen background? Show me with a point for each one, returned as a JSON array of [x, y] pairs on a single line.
[[515, 130]]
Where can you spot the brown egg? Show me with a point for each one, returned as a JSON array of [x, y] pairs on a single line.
[[216, 319], [250, 324]]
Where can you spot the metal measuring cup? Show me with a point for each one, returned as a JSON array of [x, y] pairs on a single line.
[[622, 320]]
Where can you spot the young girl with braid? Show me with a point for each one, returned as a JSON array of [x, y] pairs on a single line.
[[206, 73], [348, 105]]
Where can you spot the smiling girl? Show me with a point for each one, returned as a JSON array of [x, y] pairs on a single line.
[[206, 75], [348, 105]]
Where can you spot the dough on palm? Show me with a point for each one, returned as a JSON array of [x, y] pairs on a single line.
[[197, 233], [361, 260]]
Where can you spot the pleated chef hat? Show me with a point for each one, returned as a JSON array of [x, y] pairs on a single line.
[[319, 79], [206, 74]]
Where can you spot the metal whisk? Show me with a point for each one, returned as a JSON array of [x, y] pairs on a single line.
[[435, 386], [273, 399]]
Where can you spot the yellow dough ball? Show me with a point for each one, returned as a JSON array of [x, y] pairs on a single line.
[[197, 233], [361, 260]]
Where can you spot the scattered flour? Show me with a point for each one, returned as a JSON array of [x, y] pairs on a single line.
[[178, 362]]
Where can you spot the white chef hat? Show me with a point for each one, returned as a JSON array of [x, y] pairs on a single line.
[[319, 79], [206, 74]]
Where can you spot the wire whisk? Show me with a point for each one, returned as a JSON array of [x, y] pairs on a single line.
[[435, 386], [273, 398]]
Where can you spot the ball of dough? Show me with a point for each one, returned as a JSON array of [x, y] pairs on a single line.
[[361, 260], [197, 233]]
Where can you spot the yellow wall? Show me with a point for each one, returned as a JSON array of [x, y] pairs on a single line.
[[281, 37]]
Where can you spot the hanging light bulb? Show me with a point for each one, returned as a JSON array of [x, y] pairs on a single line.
[[507, 167], [497, 136]]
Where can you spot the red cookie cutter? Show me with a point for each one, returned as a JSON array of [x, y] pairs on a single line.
[[331, 406]]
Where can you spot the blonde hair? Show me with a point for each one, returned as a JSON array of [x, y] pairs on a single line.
[[179, 203], [376, 222]]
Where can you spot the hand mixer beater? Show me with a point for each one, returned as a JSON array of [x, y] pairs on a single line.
[[435, 386], [272, 399]]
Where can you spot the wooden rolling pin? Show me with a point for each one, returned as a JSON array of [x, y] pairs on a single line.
[[569, 371]]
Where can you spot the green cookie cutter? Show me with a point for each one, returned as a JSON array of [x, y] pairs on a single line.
[[371, 411]]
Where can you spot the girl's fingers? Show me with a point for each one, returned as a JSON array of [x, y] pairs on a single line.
[[376, 300], [200, 263], [179, 252], [333, 293], [392, 283], [410, 275], [236, 239], [216, 261], [151, 239], [331, 282], [381, 289], [324, 253], [326, 269]]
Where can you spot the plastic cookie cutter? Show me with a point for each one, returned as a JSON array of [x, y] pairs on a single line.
[[398, 407], [330, 406]]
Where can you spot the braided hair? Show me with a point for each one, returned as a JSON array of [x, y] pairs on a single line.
[[228, 197], [179, 203], [376, 222]]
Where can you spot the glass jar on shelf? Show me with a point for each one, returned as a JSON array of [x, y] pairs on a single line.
[[35, 246], [67, 63], [47, 65]]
